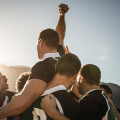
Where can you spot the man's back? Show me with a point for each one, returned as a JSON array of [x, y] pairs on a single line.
[[65, 104], [94, 106]]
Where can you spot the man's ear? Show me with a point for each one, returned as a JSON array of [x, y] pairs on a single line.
[[81, 79], [41, 43], [109, 95]]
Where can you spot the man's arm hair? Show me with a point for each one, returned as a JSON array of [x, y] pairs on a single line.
[[32, 90], [61, 26]]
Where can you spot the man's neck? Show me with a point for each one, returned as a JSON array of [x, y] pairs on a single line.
[[47, 50], [88, 88], [58, 80]]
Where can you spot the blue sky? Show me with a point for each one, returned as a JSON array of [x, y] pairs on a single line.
[[92, 32]]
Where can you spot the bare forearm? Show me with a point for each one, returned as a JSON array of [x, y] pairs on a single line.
[[17, 118], [33, 89], [15, 107], [61, 28], [58, 116]]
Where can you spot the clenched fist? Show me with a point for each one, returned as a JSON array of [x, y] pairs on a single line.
[[63, 8]]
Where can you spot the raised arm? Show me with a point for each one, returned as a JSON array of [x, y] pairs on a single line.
[[61, 26], [48, 104], [33, 89]]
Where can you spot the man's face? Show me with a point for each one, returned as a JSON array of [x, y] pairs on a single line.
[[4, 85]]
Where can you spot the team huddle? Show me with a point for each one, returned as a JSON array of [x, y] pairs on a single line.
[[58, 87]]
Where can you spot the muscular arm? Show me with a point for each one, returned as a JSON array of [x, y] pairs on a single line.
[[61, 26], [58, 116], [32, 90]]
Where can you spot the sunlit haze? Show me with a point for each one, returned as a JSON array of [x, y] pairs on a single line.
[[92, 32]]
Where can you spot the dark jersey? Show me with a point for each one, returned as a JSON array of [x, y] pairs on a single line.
[[74, 95], [60, 49], [65, 104], [4, 99], [93, 106], [44, 70], [10, 94], [111, 114]]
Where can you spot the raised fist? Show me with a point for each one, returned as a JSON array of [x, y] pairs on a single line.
[[63, 8]]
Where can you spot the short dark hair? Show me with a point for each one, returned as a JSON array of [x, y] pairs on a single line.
[[69, 65], [22, 79], [106, 88], [91, 73], [50, 37]]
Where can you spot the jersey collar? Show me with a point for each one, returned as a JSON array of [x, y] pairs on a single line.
[[91, 91], [54, 89], [53, 55]]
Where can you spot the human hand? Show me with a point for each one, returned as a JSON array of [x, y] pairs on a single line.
[[66, 49], [48, 104], [63, 8]]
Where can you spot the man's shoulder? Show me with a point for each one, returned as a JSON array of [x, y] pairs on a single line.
[[93, 103], [68, 104], [62, 92], [46, 62], [65, 99], [43, 70], [93, 96], [94, 99]]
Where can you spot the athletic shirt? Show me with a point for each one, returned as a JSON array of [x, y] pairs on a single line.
[[93, 106], [65, 105], [60, 49], [111, 114], [4, 99], [45, 70]]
